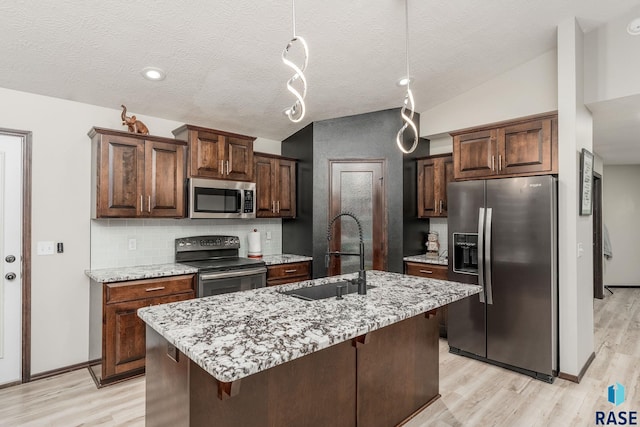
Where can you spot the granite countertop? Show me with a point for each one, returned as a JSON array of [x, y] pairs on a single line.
[[427, 259], [285, 259], [108, 275], [235, 335], [138, 272]]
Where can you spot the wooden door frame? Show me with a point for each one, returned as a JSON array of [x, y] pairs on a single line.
[[383, 202], [26, 143], [598, 273]]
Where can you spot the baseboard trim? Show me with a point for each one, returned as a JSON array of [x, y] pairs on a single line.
[[10, 384], [63, 370], [578, 378]]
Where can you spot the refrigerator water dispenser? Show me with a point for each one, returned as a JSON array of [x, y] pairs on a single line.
[[465, 253]]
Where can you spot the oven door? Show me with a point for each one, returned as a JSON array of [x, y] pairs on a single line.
[[222, 282]]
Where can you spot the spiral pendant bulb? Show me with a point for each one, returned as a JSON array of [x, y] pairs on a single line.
[[408, 122], [408, 97], [297, 111]]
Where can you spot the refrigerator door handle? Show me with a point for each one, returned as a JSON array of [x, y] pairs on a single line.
[[481, 253], [487, 258]]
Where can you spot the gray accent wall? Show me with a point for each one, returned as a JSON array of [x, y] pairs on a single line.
[[365, 136]]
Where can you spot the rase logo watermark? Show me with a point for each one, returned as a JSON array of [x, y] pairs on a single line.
[[615, 395]]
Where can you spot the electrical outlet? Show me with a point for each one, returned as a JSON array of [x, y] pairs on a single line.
[[268, 235], [45, 248], [132, 244]]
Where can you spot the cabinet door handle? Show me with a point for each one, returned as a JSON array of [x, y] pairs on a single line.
[[426, 271], [221, 170], [149, 205], [440, 206], [157, 288], [493, 163], [290, 271], [499, 162], [227, 167], [141, 204], [273, 206], [278, 206]]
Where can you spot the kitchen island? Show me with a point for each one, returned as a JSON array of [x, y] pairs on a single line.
[[264, 358]]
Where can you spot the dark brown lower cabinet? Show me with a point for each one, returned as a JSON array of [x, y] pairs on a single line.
[[279, 274], [433, 271], [379, 379], [122, 331]]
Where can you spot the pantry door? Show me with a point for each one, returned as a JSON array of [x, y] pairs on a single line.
[[357, 186], [12, 146]]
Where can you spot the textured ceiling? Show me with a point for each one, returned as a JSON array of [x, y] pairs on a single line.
[[222, 58]]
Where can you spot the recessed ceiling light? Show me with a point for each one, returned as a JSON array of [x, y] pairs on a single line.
[[634, 27], [404, 81], [153, 74]]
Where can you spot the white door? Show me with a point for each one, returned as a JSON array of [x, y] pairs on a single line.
[[10, 259]]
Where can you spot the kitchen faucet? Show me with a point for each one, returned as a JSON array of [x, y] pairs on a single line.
[[362, 277]]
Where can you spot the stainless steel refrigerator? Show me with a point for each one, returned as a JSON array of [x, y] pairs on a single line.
[[503, 236]]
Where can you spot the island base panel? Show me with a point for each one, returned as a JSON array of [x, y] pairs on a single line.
[[381, 380], [397, 371], [315, 390], [166, 382]]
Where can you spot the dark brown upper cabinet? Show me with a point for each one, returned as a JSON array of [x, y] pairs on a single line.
[[217, 154], [526, 146], [136, 176], [275, 186], [434, 173]]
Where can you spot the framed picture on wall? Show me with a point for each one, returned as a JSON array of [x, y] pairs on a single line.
[[586, 182]]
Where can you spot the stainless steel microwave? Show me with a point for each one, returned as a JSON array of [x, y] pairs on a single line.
[[216, 198]]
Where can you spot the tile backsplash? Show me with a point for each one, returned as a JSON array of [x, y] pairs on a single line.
[[154, 238]]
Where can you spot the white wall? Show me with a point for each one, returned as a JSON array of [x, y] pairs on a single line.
[[60, 213], [620, 213], [574, 231], [612, 60], [530, 88]]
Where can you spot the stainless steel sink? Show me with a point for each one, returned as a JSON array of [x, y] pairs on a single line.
[[327, 290]]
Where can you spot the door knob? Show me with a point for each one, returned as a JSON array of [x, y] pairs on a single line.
[[10, 258], [10, 276]]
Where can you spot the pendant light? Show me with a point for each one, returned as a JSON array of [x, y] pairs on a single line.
[[408, 102], [297, 111]]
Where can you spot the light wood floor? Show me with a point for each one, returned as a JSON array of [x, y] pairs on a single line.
[[473, 393]]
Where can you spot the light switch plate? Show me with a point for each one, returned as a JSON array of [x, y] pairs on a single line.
[[45, 248], [132, 244]]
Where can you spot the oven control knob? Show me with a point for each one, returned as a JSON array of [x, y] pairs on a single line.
[[180, 244]]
